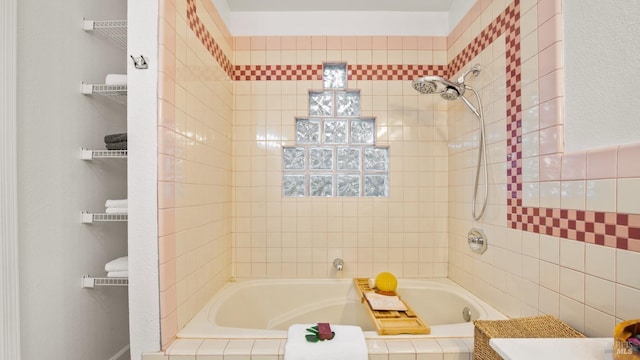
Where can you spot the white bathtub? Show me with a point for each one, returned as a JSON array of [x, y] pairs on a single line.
[[266, 308]]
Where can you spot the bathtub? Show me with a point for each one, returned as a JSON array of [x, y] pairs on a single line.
[[262, 309]]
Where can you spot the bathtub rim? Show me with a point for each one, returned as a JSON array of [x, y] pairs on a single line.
[[200, 327]]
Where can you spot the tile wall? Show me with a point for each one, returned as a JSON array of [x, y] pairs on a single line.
[[299, 237], [194, 162], [563, 229], [220, 168]]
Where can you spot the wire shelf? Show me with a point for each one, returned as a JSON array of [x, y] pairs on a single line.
[[103, 154], [91, 282], [90, 218], [117, 93], [114, 30]]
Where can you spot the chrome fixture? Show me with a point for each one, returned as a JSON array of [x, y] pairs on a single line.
[[477, 241], [338, 263], [466, 314], [450, 90]]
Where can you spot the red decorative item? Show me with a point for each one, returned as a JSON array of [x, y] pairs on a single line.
[[324, 331]]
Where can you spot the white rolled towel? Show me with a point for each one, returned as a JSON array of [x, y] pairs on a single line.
[[119, 264], [111, 210], [117, 203], [118, 274], [116, 79]]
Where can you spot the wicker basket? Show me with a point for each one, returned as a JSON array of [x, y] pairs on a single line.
[[545, 326]]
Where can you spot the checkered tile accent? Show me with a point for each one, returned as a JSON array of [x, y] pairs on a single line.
[[198, 28], [609, 229], [277, 72]]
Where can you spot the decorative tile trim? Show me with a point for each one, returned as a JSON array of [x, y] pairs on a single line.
[[277, 72], [205, 37], [356, 72]]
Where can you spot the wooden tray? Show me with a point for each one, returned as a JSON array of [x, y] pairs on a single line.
[[391, 322]]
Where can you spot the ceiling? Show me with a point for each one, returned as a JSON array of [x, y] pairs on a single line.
[[340, 5]]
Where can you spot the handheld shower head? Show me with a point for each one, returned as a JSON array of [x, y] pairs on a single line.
[[438, 85]]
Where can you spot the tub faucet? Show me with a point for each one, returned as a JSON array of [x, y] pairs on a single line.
[[337, 263]]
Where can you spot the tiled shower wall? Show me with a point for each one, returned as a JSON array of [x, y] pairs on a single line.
[[194, 162], [299, 237], [575, 257]]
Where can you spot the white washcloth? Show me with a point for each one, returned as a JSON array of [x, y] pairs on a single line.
[[118, 274], [116, 79], [112, 210], [119, 264], [118, 203], [348, 344]]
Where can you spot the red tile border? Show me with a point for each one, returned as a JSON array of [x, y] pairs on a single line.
[[616, 230]]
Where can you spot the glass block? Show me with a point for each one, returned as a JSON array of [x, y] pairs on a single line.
[[348, 185], [334, 76], [376, 159], [348, 159], [320, 103], [363, 131], [307, 131], [376, 185], [321, 185], [335, 132], [321, 158], [293, 185], [293, 158], [348, 104]]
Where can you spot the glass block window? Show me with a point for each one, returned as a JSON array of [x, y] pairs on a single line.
[[335, 152]]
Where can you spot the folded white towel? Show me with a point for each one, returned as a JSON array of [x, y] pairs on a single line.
[[112, 210], [116, 79], [118, 203], [119, 264], [348, 344], [118, 274]]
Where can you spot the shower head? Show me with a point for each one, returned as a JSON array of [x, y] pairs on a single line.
[[438, 85]]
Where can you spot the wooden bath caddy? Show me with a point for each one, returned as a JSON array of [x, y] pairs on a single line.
[[391, 322]]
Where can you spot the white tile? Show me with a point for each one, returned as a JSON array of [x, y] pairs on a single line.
[[628, 194], [550, 249], [597, 323], [572, 284], [266, 347], [453, 346], [572, 313], [550, 194], [530, 244], [573, 195], [601, 195], [212, 347], [549, 302], [530, 294], [600, 261], [184, 347], [239, 349], [627, 300], [572, 254], [600, 294], [427, 347], [531, 194], [550, 276], [377, 347], [400, 347], [531, 269], [626, 266]]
